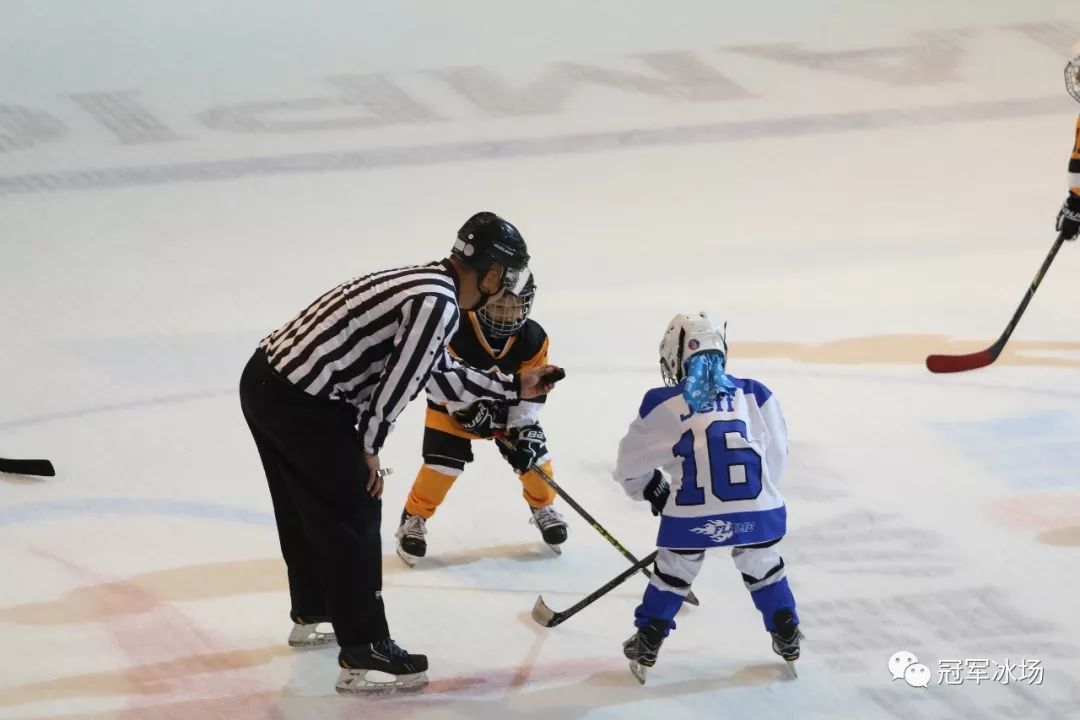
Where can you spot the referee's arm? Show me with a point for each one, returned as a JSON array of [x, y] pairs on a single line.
[[427, 323], [456, 385]]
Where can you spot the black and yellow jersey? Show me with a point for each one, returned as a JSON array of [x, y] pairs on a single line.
[[526, 348], [1074, 163]]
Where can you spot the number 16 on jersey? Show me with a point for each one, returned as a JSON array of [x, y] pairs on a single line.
[[735, 466]]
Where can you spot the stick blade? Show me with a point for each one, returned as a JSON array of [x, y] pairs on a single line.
[[959, 363], [542, 614], [42, 468]]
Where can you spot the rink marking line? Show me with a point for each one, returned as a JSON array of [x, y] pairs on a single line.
[[113, 407], [553, 685], [527, 147], [848, 373], [140, 637], [130, 507], [527, 667], [108, 508]]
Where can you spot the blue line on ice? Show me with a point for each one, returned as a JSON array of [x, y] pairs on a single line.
[[129, 507]]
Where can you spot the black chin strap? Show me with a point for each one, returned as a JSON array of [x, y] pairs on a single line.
[[484, 296]]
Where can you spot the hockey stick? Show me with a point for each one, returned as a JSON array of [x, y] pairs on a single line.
[[547, 617], [500, 437], [691, 598], [27, 467], [972, 361]]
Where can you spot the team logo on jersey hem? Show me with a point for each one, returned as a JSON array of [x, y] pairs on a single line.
[[720, 530], [706, 531]]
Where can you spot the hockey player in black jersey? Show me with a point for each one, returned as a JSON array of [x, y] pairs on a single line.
[[500, 336]]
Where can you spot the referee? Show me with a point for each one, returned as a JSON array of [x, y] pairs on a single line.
[[320, 395]]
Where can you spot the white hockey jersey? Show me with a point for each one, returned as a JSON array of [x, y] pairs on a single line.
[[724, 463]]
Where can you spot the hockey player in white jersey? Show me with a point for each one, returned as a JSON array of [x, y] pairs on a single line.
[[723, 442]]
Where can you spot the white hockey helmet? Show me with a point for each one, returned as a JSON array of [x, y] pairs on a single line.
[[686, 336]]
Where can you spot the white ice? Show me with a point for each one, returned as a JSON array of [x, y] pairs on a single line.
[[878, 183]]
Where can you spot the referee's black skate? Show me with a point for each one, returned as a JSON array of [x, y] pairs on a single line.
[[786, 637], [363, 668], [411, 542], [552, 526], [642, 648]]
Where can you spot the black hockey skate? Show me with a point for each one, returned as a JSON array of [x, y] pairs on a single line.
[[382, 657], [410, 534], [552, 526], [786, 637], [642, 648], [311, 631]]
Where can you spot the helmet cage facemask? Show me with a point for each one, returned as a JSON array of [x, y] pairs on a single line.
[[504, 317], [1072, 75]]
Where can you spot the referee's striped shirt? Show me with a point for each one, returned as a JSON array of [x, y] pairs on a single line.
[[376, 341]]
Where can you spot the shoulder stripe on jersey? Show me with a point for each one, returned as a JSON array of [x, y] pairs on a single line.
[[655, 397], [752, 387]]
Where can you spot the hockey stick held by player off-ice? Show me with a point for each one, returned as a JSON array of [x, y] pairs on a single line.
[[547, 617], [982, 358]]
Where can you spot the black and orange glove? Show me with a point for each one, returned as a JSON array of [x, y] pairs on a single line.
[[523, 446], [483, 418], [1068, 219]]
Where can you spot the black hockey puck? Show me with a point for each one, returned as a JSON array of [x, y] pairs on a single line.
[[553, 377]]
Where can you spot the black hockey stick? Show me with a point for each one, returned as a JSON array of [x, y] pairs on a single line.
[[27, 467], [691, 598], [547, 617], [975, 360]]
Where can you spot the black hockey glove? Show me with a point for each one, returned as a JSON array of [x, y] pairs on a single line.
[[657, 491], [483, 418], [1068, 219], [523, 447]]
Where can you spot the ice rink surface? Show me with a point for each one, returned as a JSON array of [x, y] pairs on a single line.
[[851, 185]]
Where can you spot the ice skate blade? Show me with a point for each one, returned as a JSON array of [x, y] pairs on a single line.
[[356, 682], [792, 670], [308, 636], [406, 558], [639, 671], [557, 549]]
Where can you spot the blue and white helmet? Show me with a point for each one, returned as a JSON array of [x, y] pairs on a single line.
[[686, 336]]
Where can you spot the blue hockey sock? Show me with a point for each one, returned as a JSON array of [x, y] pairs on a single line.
[[772, 598], [659, 608]]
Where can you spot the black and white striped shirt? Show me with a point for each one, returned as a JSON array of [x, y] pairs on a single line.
[[376, 341]]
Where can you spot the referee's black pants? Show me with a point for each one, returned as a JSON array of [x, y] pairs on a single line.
[[327, 521]]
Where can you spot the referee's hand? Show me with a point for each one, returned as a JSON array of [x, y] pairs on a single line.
[[534, 381], [375, 475]]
